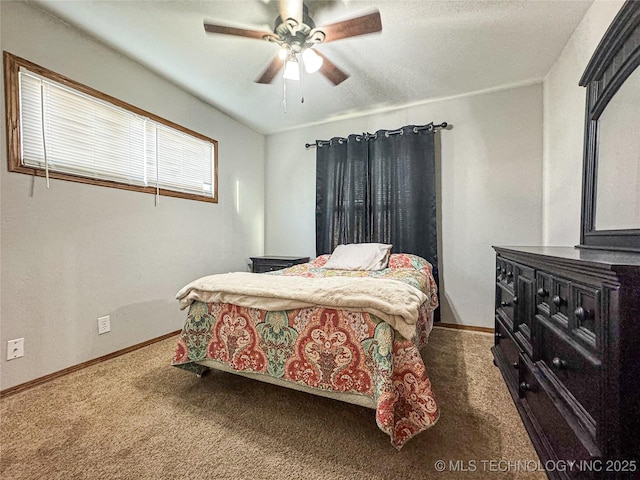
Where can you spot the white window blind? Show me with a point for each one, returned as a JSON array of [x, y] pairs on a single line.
[[70, 132]]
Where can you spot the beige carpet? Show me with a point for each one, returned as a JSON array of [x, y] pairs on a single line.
[[136, 417]]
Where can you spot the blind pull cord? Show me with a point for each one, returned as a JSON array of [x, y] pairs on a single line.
[[157, 169], [144, 151], [44, 136]]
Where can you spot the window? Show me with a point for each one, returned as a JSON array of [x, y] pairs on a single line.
[[61, 129]]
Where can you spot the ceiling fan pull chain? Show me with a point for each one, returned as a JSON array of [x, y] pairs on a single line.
[[284, 95], [301, 87]]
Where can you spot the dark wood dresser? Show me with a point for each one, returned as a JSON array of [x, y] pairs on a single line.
[[567, 342], [271, 263]]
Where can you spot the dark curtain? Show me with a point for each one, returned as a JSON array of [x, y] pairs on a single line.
[[341, 193], [403, 191], [378, 188]]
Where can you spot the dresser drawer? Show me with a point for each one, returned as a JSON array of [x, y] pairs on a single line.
[[506, 356], [524, 305], [505, 304], [560, 297], [556, 426], [571, 367], [505, 272], [507, 345], [553, 298], [543, 293], [585, 315]]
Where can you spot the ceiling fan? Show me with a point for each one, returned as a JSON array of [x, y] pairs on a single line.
[[296, 34]]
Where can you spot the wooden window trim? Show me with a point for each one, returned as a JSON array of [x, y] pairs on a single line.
[[12, 64]]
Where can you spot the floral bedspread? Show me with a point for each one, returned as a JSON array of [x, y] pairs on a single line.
[[327, 349], [410, 269]]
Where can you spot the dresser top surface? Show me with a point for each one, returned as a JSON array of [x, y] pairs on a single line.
[[602, 258]]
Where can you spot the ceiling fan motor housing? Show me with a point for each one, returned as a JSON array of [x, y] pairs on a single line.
[[296, 35]]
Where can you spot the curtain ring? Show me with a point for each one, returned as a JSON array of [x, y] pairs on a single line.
[[415, 129], [386, 134], [401, 132]]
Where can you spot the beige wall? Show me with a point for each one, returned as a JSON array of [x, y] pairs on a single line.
[[564, 104], [489, 187], [76, 252]]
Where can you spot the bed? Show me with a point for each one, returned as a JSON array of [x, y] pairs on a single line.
[[351, 335]]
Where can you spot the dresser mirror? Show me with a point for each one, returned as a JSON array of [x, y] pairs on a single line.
[[611, 177], [618, 180]]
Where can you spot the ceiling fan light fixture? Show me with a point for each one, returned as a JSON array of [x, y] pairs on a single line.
[[291, 69], [312, 61]]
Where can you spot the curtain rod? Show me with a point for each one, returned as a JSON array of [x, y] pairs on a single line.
[[429, 126]]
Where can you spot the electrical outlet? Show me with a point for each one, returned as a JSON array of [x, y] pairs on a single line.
[[15, 348], [104, 325]]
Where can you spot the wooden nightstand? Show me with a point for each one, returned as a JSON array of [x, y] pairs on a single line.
[[271, 263]]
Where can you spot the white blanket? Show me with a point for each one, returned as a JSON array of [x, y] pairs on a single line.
[[393, 301]]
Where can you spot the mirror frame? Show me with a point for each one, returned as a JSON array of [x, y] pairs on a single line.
[[615, 58]]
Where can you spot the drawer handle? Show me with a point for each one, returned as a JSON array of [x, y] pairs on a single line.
[[504, 271], [498, 335], [513, 301], [558, 363], [516, 365], [558, 300], [581, 314], [542, 292], [525, 387], [510, 275]]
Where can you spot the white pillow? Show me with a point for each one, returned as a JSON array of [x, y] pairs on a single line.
[[359, 256]]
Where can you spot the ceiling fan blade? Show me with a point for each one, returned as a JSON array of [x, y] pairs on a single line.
[[271, 71], [291, 9], [362, 25], [329, 70], [238, 32]]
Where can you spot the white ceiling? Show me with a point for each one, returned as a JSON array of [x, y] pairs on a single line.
[[426, 50]]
